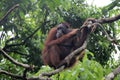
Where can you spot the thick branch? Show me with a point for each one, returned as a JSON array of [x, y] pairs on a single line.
[[103, 20], [108, 20], [9, 11], [14, 61], [114, 73]]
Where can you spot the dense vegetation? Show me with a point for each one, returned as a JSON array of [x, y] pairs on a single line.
[[24, 29]]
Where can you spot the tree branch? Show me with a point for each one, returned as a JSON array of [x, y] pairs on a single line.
[[11, 74], [14, 61], [47, 74], [108, 20], [9, 11], [103, 20], [114, 73]]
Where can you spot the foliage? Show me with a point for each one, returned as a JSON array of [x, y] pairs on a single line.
[[29, 24]]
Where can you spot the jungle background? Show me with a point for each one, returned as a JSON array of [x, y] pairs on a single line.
[[24, 29]]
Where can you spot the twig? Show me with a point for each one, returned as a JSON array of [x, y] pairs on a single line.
[[15, 62], [9, 11], [11, 74]]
